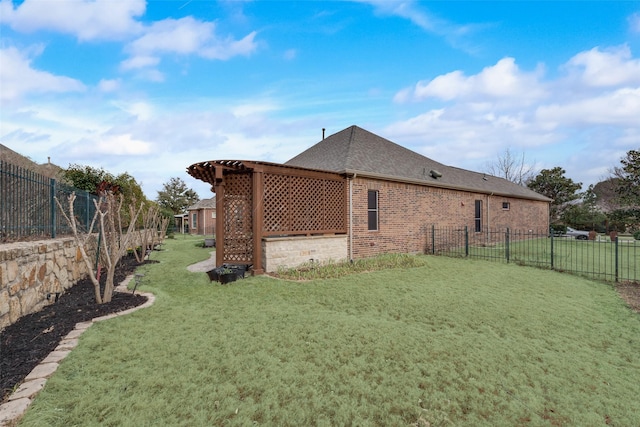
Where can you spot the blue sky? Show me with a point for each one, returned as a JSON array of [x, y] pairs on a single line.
[[151, 87]]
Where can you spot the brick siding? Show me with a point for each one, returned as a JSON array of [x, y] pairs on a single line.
[[407, 212]]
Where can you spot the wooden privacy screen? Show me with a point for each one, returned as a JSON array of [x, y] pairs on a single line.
[[260, 199], [238, 219], [303, 205]]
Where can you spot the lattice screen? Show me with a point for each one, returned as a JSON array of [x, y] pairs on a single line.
[[301, 205], [335, 207], [238, 219]]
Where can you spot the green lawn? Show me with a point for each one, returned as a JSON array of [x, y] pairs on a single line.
[[454, 342], [593, 259]]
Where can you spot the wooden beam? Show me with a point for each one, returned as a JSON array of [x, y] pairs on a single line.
[[220, 218], [258, 221]]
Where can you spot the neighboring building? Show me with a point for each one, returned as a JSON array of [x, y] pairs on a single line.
[[202, 217], [47, 169], [355, 195]]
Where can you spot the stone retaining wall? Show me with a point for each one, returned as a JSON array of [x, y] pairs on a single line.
[[287, 252], [31, 273]]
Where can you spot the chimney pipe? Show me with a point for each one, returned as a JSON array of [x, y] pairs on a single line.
[[323, 133]]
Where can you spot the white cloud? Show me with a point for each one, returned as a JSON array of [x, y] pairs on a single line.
[[84, 19], [243, 110], [414, 11], [120, 145], [621, 107], [503, 81], [185, 36], [593, 105], [407, 10], [634, 22], [18, 78], [106, 85], [141, 61], [139, 109], [290, 54], [611, 67]]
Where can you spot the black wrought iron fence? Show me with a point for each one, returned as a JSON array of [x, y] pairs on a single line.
[[611, 259], [28, 209]]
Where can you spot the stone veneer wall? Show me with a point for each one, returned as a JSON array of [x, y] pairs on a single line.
[[29, 271], [293, 251]]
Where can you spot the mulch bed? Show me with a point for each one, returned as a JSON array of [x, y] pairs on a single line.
[[24, 344]]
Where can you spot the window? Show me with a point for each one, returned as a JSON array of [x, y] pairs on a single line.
[[478, 217], [194, 220], [506, 206], [372, 210]]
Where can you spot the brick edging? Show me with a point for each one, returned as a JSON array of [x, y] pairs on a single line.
[[22, 397]]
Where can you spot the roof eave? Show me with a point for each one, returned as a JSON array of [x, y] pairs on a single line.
[[353, 173]]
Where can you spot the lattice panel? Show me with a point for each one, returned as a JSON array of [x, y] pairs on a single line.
[[238, 218], [335, 209], [306, 204], [295, 204], [276, 203]]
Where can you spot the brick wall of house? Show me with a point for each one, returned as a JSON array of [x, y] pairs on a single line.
[[408, 211], [205, 222]]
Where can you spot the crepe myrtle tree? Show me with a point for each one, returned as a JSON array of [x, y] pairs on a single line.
[[112, 241], [152, 228]]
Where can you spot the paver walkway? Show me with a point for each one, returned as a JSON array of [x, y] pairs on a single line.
[[204, 266]]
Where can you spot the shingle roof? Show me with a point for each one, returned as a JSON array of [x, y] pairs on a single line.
[[356, 150], [203, 204], [47, 169]]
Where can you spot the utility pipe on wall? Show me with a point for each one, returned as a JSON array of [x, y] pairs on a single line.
[[351, 216]]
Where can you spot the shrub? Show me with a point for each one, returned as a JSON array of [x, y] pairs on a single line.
[[636, 235]]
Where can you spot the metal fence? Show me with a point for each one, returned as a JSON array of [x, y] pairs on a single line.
[[28, 209], [613, 260]]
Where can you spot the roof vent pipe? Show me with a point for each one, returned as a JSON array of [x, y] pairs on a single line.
[[323, 133], [435, 174]]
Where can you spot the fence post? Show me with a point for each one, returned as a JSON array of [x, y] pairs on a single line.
[[433, 239], [87, 198], [506, 244], [466, 240], [616, 257], [52, 194], [552, 248]]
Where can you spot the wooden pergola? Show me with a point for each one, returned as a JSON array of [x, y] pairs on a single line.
[[259, 199]]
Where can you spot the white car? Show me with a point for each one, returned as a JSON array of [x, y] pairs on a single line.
[[578, 234]]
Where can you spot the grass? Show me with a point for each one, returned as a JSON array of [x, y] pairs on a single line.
[[453, 342], [332, 270], [593, 259]]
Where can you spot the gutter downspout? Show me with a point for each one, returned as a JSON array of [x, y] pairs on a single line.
[[351, 216], [489, 211]]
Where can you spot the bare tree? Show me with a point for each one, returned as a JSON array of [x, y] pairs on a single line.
[[512, 167], [112, 241], [151, 232]]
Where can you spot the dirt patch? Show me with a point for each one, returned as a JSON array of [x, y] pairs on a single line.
[[27, 342], [630, 293]]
